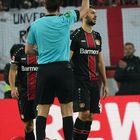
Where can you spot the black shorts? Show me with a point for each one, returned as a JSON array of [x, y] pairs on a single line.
[[55, 80], [87, 96], [27, 109]]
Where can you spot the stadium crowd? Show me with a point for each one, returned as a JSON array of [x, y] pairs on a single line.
[[5, 5]]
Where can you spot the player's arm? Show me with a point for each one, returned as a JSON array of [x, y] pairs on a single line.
[[84, 8], [71, 54], [102, 71], [12, 81], [30, 49]]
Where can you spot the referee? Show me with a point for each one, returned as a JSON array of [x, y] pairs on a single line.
[[51, 35]]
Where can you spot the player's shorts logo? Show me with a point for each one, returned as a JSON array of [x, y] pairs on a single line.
[[82, 105], [22, 116]]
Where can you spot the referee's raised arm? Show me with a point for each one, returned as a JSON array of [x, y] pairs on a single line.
[[84, 8]]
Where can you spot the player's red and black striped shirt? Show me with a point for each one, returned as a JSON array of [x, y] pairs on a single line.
[[26, 73], [85, 47]]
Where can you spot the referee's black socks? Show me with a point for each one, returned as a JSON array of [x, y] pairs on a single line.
[[40, 127], [81, 129], [68, 127], [29, 136]]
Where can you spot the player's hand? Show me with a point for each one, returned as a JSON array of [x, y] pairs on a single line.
[[14, 93], [105, 91], [122, 64]]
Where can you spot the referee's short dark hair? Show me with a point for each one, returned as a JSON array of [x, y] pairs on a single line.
[[52, 5]]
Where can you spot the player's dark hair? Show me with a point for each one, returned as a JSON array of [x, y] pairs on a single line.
[[52, 5], [14, 48]]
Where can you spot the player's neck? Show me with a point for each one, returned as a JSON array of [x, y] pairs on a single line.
[[87, 28]]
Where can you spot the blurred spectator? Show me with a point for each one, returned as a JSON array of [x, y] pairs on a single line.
[[128, 72], [115, 2], [1, 6], [39, 2], [130, 2], [70, 3], [31, 3], [7, 4], [100, 2]]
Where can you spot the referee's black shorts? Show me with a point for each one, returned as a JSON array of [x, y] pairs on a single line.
[[55, 80]]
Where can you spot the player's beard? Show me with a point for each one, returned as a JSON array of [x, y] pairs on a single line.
[[90, 22]]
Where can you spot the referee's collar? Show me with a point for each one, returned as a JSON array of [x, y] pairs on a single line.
[[53, 15], [50, 15]]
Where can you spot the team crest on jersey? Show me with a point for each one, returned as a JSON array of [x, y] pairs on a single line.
[[82, 105], [97, 42]]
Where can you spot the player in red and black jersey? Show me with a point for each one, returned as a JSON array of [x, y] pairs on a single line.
[[87, 60], [86, 47], [22, 78]]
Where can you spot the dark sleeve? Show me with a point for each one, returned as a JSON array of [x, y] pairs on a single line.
[[133, 70], [15, 58], [98, 41], [73, 38], [120, 75], [78, 14], [73, 45], [100, 47]]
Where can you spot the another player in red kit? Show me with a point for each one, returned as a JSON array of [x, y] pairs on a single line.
[[22, 78]]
